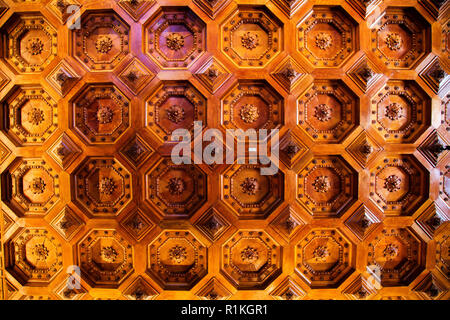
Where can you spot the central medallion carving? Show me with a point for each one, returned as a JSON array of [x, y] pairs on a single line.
[[249, 113], [291, 150], [38, 186], [366, 148], [249, 40], [250, 186], [391, 251], [321, 184], [322, 112], [104, 115], [35, 46], [107, 186], [103, 44], [321, 253], [249, 254], [392, 183], [175, 41], [109, 254], [394, 111], [41, 252], [175, 114], [178, 254], [176, 186], [323, 40], [36, 116], [394, 41]]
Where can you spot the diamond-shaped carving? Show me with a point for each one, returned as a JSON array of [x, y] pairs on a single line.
[[288, 290], [140, 289], [326, 37], [291, 149], [7, 222], [432, 218], [362, 222], [136, 8], [3, 8], [364, 74], [136, 76], [4, 152], [364, 149], [213, 290], [289, 7], [64, 151], [137, 224], [67, 223], [31, 115], [62, 8], [212, 7], [136, 151], [360, 289], [328, 111], [434, 148], [213, 74], [435, 75], [212, 224], [288, 74], [63, 78], [287, 223], [364, 7], [68, 293], [430, 288], [4, 80]]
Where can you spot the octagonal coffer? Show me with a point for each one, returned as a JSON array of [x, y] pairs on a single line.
[[31, 43], [324, 258], [175, 191], [174, 105], [327, 37], [31, 115], [251, 36], [101, 113], [327, 186], [328, 111], [34, 256], [400, 38], [102, 41], [395, 257], [399, 185], [175, 37], [251, 260], [400, 112], [30, 187], [105, 258], [101, 186], [177, 260]]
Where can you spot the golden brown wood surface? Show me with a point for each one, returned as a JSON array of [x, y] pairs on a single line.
[[91, 92]]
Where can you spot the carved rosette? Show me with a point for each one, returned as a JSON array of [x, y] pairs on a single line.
[[175, 105], [176, 191], [252, 105], [395, 257], [326, 37], [398, 185], [105, 258], [32, 44], [102, 187], [102, 41], [32, 116], [324, 258], [34, 257], [177, 260], [399, 38], [251, 259], [327, 111], [327, 186], [250, 194], [400, 111], [101, 114], [33, 187], [175, 38], [251, 37]]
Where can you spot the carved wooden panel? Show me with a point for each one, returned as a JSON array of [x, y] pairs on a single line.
[[92, 91]]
